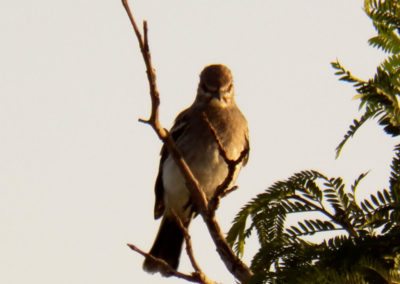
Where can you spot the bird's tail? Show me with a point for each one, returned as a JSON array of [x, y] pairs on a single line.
[[167, 246]]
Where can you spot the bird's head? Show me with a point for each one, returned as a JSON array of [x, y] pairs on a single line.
[[216, 86]]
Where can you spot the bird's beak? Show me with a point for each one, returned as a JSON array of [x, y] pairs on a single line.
[[217, 95], [218, 99]]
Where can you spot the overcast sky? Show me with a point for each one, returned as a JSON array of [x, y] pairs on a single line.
[[77, 170]]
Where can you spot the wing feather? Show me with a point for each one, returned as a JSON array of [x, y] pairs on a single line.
[[177, 130]]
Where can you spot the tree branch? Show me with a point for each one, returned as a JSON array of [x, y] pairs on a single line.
[[166, 268], [231, 261], [334, 218], [223, 189], [189, 250]]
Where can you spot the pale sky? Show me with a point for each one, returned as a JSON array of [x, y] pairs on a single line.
[[77, 170]]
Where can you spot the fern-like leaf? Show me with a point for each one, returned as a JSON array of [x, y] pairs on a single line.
[[357, 123]]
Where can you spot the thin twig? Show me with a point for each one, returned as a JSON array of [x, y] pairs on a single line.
[[166, 268], [188, 242], [229, 190], [222, 189], [151, 74], [189, 250]]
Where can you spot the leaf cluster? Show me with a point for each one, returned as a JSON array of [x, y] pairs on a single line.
[[360, 238], [379, 96], [321, 205]]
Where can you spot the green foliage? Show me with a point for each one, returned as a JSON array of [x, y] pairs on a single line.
[[327, 206], [361, 238], [379, 95]]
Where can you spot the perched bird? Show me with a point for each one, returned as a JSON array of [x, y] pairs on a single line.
[[214, 105]]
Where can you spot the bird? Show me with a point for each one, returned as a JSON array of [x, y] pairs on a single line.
[[214, 107]]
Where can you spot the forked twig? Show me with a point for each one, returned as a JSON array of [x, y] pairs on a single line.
[[151, 74]]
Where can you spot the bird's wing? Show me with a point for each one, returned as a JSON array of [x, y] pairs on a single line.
[[246, 148], [179, 127]]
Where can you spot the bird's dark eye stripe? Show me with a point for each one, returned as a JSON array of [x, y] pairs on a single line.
[[204, 87], [208, 90]]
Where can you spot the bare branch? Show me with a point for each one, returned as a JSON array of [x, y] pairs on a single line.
[[231, 261], [151, 74], [221, 149], [166, 268], [189, 250], [222, 190], [188, 242], [154, 122], [229, 190]]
